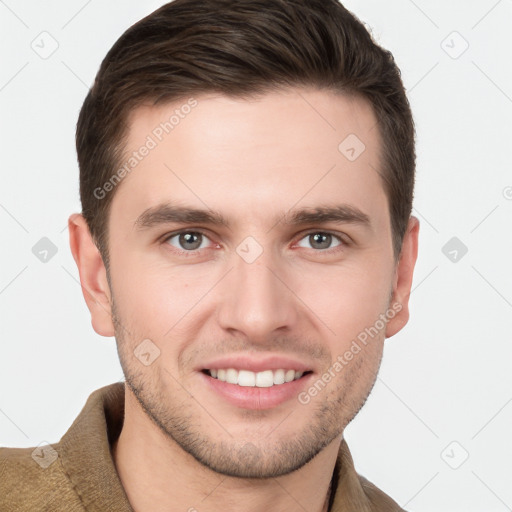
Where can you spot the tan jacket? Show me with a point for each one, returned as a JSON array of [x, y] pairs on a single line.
[[77, 474]]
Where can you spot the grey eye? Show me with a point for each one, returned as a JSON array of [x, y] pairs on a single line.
[[320, 240], [187, 240]]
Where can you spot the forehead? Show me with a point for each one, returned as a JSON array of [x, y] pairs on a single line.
[[266, 155]]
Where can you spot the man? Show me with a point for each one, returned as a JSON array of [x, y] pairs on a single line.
[[246, 178]]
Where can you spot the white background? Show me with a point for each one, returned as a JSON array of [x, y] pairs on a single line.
[[445, 387]]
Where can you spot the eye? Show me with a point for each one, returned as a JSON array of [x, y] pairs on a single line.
[[322, 240], [190, 243], [187, 241]]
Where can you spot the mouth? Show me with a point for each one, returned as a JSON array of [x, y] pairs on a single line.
[[262, 379], [256, 381]]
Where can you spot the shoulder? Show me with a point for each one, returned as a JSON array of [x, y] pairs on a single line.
[[379, 501], [354, 491], [34, 479]]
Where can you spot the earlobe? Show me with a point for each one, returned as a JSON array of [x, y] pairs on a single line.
[[403, 278], [93, 275]]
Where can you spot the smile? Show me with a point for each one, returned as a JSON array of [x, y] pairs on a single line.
[[263, 379]]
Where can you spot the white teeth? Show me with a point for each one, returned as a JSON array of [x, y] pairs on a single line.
[[231, 376], [279, 377], [264, 379], [289, 375], [246, 378]]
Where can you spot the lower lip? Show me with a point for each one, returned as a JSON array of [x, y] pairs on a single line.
[[248, 397]]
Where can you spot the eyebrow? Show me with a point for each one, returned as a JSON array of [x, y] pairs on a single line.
[[166, 213]]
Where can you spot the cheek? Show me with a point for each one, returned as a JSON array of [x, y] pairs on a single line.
[[158, 300], [155, 297], [347, 300]]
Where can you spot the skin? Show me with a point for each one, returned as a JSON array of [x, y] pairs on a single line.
[[252, 161]]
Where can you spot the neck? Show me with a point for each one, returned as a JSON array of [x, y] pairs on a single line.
[[158, 475]]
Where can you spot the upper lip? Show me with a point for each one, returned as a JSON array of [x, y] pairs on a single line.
[[256, 364]]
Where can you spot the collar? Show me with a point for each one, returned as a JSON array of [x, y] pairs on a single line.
[[85, 451], [86, 456]]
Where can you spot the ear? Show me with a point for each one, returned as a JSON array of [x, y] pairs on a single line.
[[403, 278], [93, 275]]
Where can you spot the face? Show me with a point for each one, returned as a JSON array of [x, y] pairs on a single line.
[[249, 251]]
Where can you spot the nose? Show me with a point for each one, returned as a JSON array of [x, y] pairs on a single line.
[[256, 300]]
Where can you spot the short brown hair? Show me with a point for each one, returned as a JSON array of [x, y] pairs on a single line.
[[241, 48]]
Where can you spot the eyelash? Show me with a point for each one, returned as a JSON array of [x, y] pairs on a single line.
[[343, 243]]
